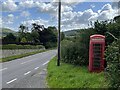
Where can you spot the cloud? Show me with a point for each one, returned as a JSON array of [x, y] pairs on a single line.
[[105, 7], [70, 14], [25, 14], [0, 22], [47, 8], [84, 18], [107, 12], [92, 6], [8, 19], [116, 4], [81, 19], [78, 17], [65, 8], [27, 4], [69, 2], [70, 18], [41, 6], [52, 8], [38, 21], [9, 5]]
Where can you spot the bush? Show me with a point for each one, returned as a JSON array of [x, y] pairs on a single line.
[[76, 51], [50, 45], [14, 46], [113, 59]]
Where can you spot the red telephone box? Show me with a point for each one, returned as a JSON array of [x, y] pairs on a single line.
[[96, 53]]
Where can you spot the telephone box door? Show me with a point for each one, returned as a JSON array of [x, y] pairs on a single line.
[[97, 55]]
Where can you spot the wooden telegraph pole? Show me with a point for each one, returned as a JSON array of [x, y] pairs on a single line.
[[59, 27]]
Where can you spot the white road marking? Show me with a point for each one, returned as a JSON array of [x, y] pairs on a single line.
[[27, 72], [45, 63], [36, 68], [44, 69], [3, 69], [11, 81], [26, 62], [40, 73]]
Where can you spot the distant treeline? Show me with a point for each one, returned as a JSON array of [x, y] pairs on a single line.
[[37, 35]]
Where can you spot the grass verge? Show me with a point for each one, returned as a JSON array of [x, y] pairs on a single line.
[[19, 56], [70, 76]]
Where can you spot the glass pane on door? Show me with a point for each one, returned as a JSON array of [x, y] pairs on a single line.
[[97, 51]]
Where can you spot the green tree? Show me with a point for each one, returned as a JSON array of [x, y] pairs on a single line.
[[117, 19], [48, 35], [36, 30], [21, 32], [10, 38], [23, 40], [45, 36], [62, 36], [37, 27], [28, 37], [35, 37], [100, 27], [113, 28]]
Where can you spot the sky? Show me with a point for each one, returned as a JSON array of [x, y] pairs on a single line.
[[75, 15]]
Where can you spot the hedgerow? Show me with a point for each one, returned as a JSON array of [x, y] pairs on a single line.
[[113, 60]]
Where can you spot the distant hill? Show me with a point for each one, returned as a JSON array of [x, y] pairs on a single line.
[[5, 31], [71, 32]]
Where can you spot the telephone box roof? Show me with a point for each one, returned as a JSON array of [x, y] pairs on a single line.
[[97, 36]]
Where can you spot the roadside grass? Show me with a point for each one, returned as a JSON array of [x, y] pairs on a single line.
[[70, 76], [19, 56]]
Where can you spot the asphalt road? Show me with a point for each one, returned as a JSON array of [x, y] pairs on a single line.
[[27, 72]]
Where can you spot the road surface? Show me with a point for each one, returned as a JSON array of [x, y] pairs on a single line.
[[27, 72]]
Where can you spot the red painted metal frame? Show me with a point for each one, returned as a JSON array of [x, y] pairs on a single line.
[[96, 39]]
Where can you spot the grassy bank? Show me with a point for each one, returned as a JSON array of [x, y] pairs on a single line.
[[70, 76], [19, 56]]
